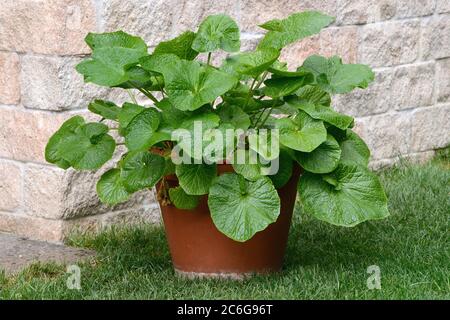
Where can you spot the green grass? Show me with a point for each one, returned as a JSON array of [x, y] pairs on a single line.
[[412, 249]]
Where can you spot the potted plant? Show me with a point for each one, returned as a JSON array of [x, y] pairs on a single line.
[[225, 143]]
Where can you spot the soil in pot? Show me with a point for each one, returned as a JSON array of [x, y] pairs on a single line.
[[198, 249]]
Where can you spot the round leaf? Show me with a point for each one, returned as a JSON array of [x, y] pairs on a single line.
[[141, 170], [217, 32], [284, 173], [252, 63], [302, 133], [110, 188], [295, 27], [127, 113], [106, 109], [88, 148], [321, 112], [335, 77], [179, 46], [117, 39], [140, 130], [67, 129], [240, 208], [196, 179], [234, 115], [251, 168], [182, 200], [315, 95], [280, 87], [187, 137], [354, 149], [347, 196], [323, 159]]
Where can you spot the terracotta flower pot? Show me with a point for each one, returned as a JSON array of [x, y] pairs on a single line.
[[198, 249]]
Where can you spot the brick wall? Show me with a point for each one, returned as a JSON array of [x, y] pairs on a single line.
[[406, 112]]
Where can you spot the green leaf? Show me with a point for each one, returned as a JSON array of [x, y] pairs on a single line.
[[196, 179], [285, 169], [138, 78], [108, 65], [295, 27], [354, 149], [323, 159], [141, 169], [280, 87], [241, 208], [191, 86], [280, 69], [335, 77], [139, 131], [302, 133], [218, 143], [67, 129], [265, 142], [118, 39], [188, 84], [249, 167], [314, 95], [182, 200], [127, 113], [171, 116], [234, 115], [110, 188], [358, 196], [179, 46], [113, 55], [106, 109], [217, 32], [88, 148], [160, 63], [186, 135], [252, 63], [320, 112], [170, 167], [247, 105]]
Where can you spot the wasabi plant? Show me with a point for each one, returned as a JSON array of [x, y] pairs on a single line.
[[249, 111]]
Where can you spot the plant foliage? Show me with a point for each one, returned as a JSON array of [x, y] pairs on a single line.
[[249, 91]]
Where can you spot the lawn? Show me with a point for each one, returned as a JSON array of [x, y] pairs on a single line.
[[411, 248]]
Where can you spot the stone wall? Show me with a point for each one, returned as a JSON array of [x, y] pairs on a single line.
[[406, 112]]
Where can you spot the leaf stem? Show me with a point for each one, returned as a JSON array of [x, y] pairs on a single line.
[[133, 98], [208, 63], [144, 92], [263, 77], [148, 95], [250, 93], [266, 117]]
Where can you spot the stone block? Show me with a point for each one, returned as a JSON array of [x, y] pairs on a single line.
[[9, 78], [389, 43], [48, 27], [154, 20], [412, 86], [435, 37], [24, 134], [443, 80], [10, 185], [375, 99], [430, 128], [387, 135]]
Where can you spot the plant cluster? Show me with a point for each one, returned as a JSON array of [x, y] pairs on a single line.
[[251, 91]]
